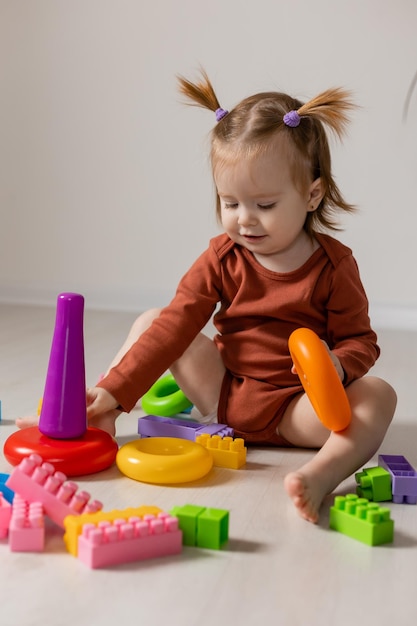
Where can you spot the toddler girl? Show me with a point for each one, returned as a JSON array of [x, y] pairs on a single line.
[[274, 269]]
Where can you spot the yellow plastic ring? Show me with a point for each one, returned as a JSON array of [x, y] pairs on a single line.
[[320, 379], [165, 398], [164, 460]]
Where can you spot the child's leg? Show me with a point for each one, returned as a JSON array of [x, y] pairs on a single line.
[[139, 326], [199, 372], [373, 404]]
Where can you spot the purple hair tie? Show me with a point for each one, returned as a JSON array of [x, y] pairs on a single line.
[[292, 119], [220, 114]]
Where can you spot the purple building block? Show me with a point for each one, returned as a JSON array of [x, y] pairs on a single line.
[[216, 429], [404, 478], [156, 426], [64, 413]]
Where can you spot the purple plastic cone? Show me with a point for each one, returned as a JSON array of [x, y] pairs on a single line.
[[64, 413]]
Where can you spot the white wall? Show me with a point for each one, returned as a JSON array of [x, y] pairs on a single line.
[[105, 187]]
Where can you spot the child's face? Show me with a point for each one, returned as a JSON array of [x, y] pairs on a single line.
[[262, 209]]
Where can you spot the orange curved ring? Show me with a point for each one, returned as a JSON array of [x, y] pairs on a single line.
[[320, 379]]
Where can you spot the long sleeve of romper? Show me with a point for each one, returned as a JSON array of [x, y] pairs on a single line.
[[349, 332], [169, 335]]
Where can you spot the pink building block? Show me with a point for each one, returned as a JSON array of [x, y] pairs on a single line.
[[5, 515], [39, 482], [137, 539], [27, 527], [74, 523]]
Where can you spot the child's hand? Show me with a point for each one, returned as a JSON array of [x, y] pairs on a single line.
[[335, 361], [101, 409]]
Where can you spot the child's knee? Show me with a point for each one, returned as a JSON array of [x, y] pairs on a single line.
[[384, 395], [144, 320]]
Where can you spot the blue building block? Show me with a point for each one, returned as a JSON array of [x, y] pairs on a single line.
[[6, 491]]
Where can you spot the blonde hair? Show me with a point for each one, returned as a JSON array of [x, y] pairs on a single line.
[[251, 127]]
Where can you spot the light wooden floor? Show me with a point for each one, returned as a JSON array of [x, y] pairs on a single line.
[[276, 568]]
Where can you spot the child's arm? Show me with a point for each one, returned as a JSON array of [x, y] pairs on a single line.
[[339, 369], [350, 336]]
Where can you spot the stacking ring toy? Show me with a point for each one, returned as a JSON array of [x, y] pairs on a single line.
[[93, 452], [165, 398], [164, 460], [320, 379]]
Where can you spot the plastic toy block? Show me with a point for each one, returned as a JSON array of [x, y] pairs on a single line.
[[73, 524], [203, 527], [5, 515], [124, 541], [38, 482], [157, 426], [404, 478], [213, 529], [8, 494], [27, 527], [216, 429], [374, 483], [362, 520], [188, 520], [226, 452]]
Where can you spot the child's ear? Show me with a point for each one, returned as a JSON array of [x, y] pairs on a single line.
[[316, 193]]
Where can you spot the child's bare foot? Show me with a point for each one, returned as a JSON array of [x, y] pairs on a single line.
[[305, 494], [106, 422], [27, 421]]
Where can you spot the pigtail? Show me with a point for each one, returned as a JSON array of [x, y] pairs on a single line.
[[331, 108], [201, 93]]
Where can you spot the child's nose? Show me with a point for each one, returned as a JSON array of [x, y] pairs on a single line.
[[246, 217]]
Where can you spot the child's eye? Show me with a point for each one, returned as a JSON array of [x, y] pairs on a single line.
[[230, 205], [267, 206]]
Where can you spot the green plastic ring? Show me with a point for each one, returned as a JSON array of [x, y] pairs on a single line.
[[165, 398]]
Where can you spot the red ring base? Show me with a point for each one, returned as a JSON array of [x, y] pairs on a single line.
[[93, 452]]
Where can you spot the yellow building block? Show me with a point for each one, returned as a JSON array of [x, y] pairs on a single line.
[[226, 451], [73, 524]]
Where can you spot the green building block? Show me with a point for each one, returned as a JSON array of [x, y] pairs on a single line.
[[374, 483], [187, 517], [362, 520], [203, 527], [213, 528]]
